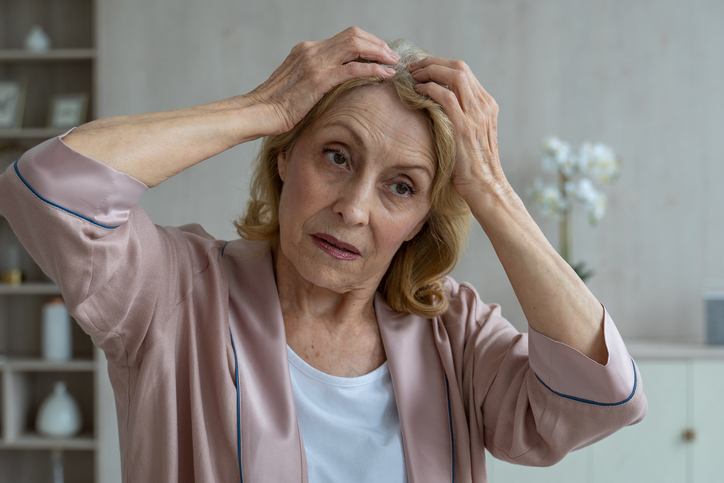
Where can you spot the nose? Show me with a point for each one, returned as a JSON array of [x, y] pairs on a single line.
[[355, 203]]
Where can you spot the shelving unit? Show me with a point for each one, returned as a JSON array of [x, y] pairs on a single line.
[[25, 378], [30, 288], [30, 133], [22, 55]]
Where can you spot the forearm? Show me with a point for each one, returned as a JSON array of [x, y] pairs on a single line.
[[555, 301], [154, 147]]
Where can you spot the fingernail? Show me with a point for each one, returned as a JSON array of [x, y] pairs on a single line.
[[395, 55], [390, 70]]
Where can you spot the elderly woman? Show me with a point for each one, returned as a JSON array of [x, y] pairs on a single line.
[[326, 344]]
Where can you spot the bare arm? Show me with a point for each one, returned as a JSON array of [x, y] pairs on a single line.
[[554, 299], [153, 147]]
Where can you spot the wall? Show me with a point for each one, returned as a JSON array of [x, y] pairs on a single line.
[[643, 76]]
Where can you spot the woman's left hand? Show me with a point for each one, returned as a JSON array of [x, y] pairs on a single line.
[[555, 300], [474, 114]]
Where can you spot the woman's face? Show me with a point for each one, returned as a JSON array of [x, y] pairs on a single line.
[[356, 186]]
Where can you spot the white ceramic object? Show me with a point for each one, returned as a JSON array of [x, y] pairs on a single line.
[[56, 461], [59, 415], [57, 344], [37, 39]]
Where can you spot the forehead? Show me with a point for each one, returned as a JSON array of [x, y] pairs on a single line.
[[374, 117]]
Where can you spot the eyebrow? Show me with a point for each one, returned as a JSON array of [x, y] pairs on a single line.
[[403, 167], [358, 140]]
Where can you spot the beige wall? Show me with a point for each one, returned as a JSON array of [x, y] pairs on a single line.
[[643, 76]]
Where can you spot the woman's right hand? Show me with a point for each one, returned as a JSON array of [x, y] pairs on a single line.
[[153, 147], [311, 70]]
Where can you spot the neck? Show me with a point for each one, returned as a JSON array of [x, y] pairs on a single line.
[[335, 332], [337, 308]]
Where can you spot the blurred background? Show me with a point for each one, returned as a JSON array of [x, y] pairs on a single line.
[[642, 76]]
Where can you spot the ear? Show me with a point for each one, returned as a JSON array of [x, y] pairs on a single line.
[[282, 165], [417, 229]]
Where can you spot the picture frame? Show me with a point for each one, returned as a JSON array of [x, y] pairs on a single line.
[[12, 102], [68, 110]]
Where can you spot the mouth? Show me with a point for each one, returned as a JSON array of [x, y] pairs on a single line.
[[336, 248]]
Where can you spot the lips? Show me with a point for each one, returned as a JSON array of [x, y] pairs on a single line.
[[336, 248]]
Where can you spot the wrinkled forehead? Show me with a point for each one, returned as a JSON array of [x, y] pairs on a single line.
[[376, 119]]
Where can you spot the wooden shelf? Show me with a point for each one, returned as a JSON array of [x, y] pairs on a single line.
[[35, 441], [31, 133], [28, 364], [22, 55], [30, 288], [25, 378]]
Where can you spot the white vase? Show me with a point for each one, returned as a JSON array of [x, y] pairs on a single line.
[[59, 415], [37, 39], [57, 331]]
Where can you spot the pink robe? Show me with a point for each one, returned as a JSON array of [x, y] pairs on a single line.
[[182, 317]]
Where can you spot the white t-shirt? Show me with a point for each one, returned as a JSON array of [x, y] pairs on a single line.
[[350, 426]]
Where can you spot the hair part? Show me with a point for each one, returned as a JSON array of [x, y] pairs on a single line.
[[413, 281]]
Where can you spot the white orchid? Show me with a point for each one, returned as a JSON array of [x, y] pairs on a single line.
[[599, 161], [596, 208], [594, 201], [549, 199], [577, 173], [558, 156]]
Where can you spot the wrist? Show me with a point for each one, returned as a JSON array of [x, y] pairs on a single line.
[[485, 197], [240, 118]]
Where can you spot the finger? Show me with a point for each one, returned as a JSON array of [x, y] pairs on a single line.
[[352, 70], [358, 32], [430, 60], [458, 76], [356, 43], [351, 48], [458, 81], [439, 73], [464, 130], [445, 97]]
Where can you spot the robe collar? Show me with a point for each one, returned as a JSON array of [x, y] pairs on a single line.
[[421, 393], [271, 443]]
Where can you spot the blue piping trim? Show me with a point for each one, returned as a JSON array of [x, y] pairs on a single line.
[[58, 206], [222, 253], [452, 440], [238, 414], [594, 402]]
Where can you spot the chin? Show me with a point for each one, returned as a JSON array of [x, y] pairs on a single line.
[[329, 278], [321, 270]]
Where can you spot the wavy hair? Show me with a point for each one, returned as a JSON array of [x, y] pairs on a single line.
[[413, 281]]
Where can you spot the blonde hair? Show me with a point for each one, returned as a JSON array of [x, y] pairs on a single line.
[[413, 282]]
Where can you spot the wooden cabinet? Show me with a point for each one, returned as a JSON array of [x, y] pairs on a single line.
[[680, 440], [25, 378]]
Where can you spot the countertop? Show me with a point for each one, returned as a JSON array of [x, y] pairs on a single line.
[[647, 349]]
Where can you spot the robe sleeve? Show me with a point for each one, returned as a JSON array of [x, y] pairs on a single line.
[[117, 271], [534, 399]]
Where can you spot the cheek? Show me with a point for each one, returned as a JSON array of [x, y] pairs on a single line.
[[301, 199], [392, 234], [288, 208]]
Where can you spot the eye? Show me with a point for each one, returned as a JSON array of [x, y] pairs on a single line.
[[337, 157], [402, 189]]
